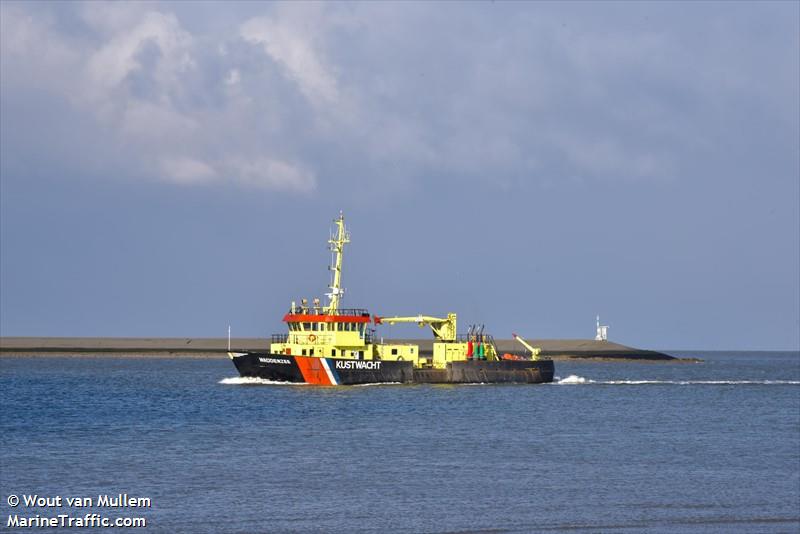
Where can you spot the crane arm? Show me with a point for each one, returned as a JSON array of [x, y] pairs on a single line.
[[534, 351], [444, 329]]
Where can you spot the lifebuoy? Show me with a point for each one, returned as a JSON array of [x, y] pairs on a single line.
[[312, 338]]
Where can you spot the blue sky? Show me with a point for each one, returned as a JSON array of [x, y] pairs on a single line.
[[170, 168]]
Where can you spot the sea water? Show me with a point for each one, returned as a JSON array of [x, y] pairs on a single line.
[[633, 447]]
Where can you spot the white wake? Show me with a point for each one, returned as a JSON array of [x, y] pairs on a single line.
[[575, 379], [255, 381]]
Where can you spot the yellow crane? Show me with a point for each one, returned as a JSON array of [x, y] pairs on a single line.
[[443, 329], [534, 351]]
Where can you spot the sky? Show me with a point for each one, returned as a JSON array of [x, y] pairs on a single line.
[[168, 169]]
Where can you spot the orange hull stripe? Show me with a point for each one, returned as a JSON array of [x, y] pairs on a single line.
[[312, 370]]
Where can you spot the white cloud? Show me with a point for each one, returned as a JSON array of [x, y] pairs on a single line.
[[109, 19], [118, 57], [32, 50], [273, 174], [187, 170], [156, 123], [394, 93], [233, 77], [294, 49], [140, 76]]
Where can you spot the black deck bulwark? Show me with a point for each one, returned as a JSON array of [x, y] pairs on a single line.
[[485, 372]]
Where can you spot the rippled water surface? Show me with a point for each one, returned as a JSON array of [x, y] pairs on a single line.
[[692, 447]]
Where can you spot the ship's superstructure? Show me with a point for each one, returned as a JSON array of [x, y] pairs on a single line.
[[331, 331], [331, 345]]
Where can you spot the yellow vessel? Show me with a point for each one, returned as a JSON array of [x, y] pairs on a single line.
[[330, 345]]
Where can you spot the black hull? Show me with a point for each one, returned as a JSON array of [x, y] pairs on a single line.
[[321, 371], [334, 371]]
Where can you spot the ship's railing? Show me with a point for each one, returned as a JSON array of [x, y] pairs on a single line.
[[357, 312], [369, 337], [303, 338], [316, 310], [484, 338], [313, 338]]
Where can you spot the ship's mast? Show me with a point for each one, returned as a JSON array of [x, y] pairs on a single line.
[[337, 247]]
